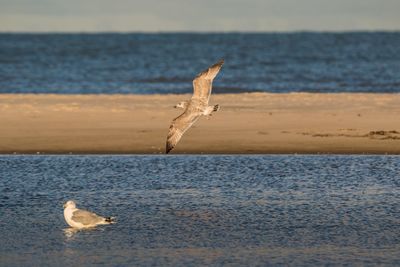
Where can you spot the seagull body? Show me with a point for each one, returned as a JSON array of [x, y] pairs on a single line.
[[79, 219], [195, 107]]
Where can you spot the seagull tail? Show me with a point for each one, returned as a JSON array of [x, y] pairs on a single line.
[[110, 220]]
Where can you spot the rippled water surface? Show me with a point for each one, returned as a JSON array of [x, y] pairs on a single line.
[[167, 63], [202, 210]]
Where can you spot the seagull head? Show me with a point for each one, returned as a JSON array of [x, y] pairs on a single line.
[[69, 204]]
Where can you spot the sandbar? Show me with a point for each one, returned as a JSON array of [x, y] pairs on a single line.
[[247, 123]]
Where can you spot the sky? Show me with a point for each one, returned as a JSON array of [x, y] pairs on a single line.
[[198, 16]]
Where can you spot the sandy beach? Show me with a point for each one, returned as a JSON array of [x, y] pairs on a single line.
[[258, 123]]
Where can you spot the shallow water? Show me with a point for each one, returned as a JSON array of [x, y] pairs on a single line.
[[167, 63], [202, 210]]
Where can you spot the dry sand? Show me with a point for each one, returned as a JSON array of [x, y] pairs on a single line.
[[246, 123]]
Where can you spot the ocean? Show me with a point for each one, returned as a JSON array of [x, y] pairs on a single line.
[[204, 210], [167, 63]]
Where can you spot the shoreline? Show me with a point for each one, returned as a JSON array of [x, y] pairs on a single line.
[[248, 123]]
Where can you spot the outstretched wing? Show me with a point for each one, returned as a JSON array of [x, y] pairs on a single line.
[[179, 126], [202, 84], [85, 217]]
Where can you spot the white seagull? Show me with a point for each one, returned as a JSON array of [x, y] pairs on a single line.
[[80, 219], [195, 107]]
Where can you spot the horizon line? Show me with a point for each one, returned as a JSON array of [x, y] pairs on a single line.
[[204, 32]]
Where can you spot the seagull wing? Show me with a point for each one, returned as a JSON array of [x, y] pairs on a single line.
[[86, 218], [202, 84], [179, 126]]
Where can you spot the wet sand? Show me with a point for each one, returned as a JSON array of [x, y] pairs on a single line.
[[254, 123]]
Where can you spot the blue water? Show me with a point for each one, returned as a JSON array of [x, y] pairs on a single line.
[[202, 210], [167, 63]]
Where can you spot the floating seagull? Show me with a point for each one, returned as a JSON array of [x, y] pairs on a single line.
[[195, 107], [77, 218]]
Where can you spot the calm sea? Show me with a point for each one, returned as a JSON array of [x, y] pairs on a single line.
[[202, 210], [167, 63]]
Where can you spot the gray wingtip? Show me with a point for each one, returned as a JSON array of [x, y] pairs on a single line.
[[216, 67], [168, 148], [220, 62]]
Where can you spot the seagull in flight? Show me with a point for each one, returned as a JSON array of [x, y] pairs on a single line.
[[195, 107]]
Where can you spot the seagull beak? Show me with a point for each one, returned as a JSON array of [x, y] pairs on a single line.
[[64, 206]]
